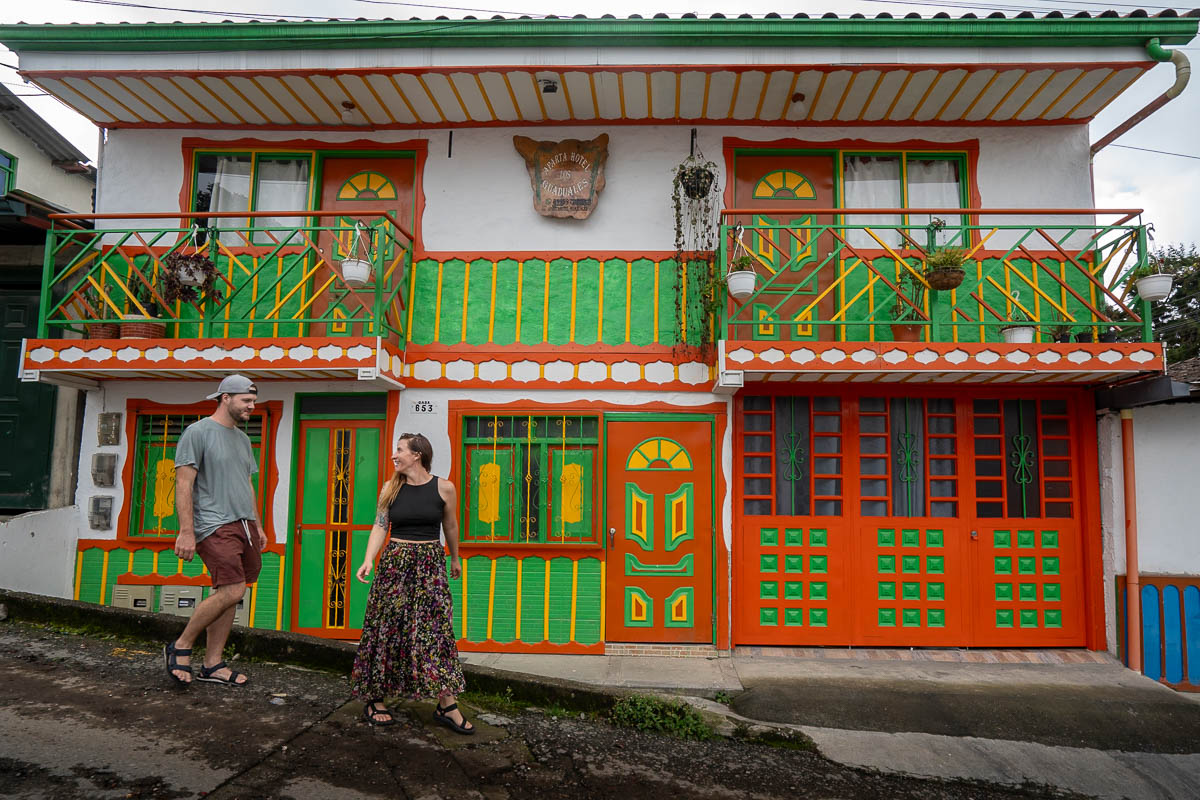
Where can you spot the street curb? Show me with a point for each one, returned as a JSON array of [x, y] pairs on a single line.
[[286, 647]]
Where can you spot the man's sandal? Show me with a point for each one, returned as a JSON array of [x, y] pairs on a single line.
[[375, 709], [206, 674], [171, 655], [442, 715]]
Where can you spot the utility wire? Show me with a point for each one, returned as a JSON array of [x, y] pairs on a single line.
[[1160, 152]]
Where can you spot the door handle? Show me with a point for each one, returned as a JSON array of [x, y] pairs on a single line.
[[974, 534], [611, 533]]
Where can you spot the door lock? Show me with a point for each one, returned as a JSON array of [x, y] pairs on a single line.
[[974, 534], [611, 533]]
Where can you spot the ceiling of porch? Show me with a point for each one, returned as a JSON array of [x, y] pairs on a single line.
[[383, 98]]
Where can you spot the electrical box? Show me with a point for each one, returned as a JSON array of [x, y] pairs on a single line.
[[108, 428], [180, 600], [242, 615], [104, 469], [100, 513], [140, 598]]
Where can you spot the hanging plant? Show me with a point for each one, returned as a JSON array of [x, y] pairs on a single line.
[[700, 289], [188, 278]]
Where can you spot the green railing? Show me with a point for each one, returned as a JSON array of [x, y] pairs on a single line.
[[825, 277], [273, 280]]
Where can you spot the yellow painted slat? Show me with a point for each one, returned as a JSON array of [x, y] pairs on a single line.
[[520, 563], [491, 599], [574, 594]]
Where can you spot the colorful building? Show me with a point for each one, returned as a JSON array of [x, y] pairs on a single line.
[[854, 453]]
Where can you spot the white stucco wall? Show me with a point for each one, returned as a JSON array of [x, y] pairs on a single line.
[[478, 197], [37, 552], [37, 176], [1167, 458]]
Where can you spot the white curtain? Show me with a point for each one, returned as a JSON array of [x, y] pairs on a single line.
[[934, 183], [872, 182], [282, 186], [230, 192]]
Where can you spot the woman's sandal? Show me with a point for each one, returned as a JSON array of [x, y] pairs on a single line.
[[206, 674], [171, 655], [374, 709], [442, 715]]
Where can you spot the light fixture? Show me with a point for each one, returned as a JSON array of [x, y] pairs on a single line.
[[549, 85], [348, 107], [798, 100]]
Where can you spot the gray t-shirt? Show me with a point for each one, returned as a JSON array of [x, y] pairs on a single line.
[[224, 462]]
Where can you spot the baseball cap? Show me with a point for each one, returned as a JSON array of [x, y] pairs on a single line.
[[234, 384]]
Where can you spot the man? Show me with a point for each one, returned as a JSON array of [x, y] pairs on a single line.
[[218, 519]]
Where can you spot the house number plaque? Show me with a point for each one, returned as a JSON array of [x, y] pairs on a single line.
[[567, 177]]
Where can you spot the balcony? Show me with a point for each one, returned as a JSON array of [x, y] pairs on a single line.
[[281, 306], [842, 294]]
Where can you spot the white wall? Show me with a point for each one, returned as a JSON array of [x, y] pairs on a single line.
[[36, 175], [1167, 458], [37, 552], [479, 198]]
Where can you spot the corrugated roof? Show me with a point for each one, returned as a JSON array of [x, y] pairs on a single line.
[[27, 122], [1187, 371]]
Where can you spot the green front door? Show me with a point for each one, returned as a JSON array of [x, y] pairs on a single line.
[[26, 411], [337, 483]]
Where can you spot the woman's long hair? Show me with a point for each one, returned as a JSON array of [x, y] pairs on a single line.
[[418, 444]]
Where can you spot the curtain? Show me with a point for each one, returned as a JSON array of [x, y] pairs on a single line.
[[872, 182], [934, 183], [229, 191], [282, 185]]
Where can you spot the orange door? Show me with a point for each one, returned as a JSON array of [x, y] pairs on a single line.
[[347, 185], [660, 518], [778, 188]]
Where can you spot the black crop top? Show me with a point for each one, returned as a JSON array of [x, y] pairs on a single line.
[[416, 513]]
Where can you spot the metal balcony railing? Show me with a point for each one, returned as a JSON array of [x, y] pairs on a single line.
[[275, 280], [837, 275]]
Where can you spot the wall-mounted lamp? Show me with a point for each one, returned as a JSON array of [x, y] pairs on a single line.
[[348, 107], [798, 100], [549, 85]]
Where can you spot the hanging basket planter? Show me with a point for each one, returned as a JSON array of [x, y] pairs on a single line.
[[1155, 287], [696, 181], [1017, 334], [944, 279], [356, 272], [741, 283]]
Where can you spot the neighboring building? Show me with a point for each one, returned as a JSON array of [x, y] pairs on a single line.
[[40, 173], [846, 457]]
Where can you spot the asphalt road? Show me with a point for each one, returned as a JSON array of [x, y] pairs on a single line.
[[94, 717]]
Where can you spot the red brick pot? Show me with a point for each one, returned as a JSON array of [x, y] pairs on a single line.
[[103, 330], [143, 328]]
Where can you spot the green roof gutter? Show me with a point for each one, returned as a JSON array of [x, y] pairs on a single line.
[[513, 33]]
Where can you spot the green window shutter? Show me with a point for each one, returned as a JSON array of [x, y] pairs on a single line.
[[571, 495], [489, 506]]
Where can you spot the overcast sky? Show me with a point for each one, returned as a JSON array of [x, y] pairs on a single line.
[[1164, 185]]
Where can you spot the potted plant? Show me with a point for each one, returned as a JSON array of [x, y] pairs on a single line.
[[907, 322], [944, 268], [135, 325], [356, 271], [741, 279], [1152, 281], [187, 279], [700, 292], [1019, 329], [1060, 328], [98, 330]]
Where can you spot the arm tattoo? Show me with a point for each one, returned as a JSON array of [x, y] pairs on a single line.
[[381, 519]]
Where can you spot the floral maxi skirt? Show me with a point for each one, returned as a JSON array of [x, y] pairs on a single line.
[[408, 648]]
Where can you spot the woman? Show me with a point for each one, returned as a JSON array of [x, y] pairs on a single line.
[[408, 647]]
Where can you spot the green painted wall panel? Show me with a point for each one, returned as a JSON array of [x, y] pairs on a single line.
[[504, 602], [533, 587], [587, 606], [533, 296], [614, 300], [143, 562], [560, 302], [587, 301], [641, 300], [311, 577], [454, 275], [505, 329], [168, 564], [479, 578], [118, 564], [192, 568], [268, 588], [456, 601], [560, 600], [424, 278], [479, 302], [358, 590], [316, 476], [366, 476], [668, 282], [90, 567]]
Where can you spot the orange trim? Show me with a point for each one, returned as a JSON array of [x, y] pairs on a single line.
[[1090, 520], [1133, 591]]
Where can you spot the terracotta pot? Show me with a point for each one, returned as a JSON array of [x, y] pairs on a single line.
[[945, 278], [902, 332], [103, 330], [143, 328]]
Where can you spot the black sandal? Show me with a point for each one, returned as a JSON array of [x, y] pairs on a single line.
[[442, 715], [171, 655], [206, 674], [374, 709]]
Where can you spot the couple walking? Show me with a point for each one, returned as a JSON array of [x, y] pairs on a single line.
[[407, 647]]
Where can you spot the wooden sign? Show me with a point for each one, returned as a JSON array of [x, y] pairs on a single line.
[[567, 177]]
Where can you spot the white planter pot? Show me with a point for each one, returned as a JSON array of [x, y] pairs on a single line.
[[190, 276], [1017, 334], [356, 272], [741, 283], [1154, 287]]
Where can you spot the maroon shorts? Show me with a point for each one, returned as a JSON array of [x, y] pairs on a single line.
[[229, 554]]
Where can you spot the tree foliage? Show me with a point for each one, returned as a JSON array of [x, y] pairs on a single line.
[[1177, 319]]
